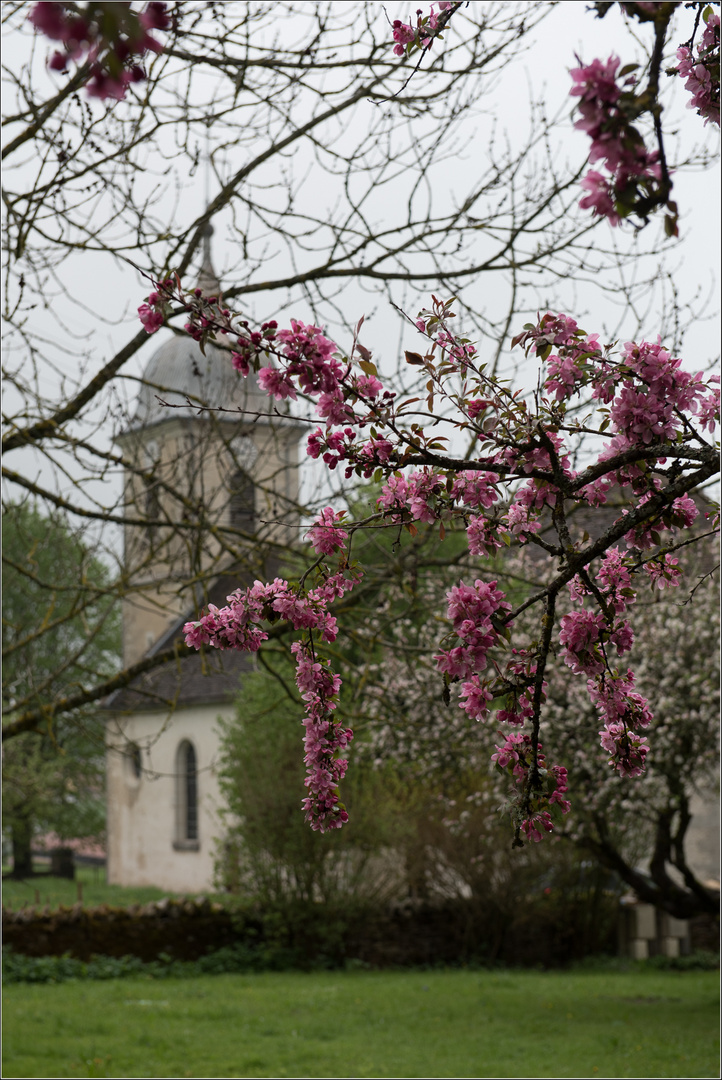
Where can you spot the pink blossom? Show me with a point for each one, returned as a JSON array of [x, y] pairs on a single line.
[[603, 111], [240, 363], [475, 488], [403, 35], [152, 320], [532, 826], [580, 634], [155, 17], [626, 749], [622, 637], [394, 493], [325, 536], [276, 384], [702, 72], [520, 521], [51, 19], [665, 574], [377, 450], [112, 58], [708, 410], [684, 512], [422, 489], [600, 199], [481, 537], [368, 386], [508, 754], [477, 698]]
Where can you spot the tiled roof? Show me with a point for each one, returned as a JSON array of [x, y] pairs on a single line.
[[204, 678]]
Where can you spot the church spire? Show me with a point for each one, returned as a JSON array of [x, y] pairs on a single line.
[[208, 281]]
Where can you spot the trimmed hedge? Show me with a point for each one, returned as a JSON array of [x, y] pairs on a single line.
[[548, 931]]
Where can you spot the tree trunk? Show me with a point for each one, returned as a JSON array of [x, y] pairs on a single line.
[[21, 832]]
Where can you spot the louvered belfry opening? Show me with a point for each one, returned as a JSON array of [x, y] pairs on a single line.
[[242, 502]]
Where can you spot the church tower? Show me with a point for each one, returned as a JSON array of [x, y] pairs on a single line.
[[211, 483]]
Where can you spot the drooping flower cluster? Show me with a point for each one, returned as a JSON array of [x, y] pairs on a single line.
[[325, 736], [607, 111], [585, 636], [531, 805], [238, 626], [472, 611], [702, 72], [111, 37]]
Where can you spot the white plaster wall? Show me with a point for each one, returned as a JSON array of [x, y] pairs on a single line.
[[142, 813]]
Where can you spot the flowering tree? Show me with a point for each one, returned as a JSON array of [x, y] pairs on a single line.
[[518, 466], [529, 455]]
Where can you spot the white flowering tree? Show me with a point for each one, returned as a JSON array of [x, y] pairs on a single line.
[[639, 830]]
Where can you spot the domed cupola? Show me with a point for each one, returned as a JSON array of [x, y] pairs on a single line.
[[178, 372]]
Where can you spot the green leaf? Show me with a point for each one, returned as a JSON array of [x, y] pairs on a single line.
[[367, 367]]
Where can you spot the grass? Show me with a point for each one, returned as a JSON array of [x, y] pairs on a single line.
[[45, 889], [368, 1023]]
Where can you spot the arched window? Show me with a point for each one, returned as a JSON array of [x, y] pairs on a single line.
[[187, 797], [242, 502], [151, 508], [134, 760]]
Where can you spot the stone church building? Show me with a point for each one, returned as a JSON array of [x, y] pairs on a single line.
[[162, 732]]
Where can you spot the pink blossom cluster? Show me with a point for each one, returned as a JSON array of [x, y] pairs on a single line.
[[153, 312], [237, 626], [682, 514], [332, 446], [422, 35], [701, 72], [113, 36], [624, 711], [647, 391], [584, 635], [325, 736], [516, 756], [605, 109], [463, 352], [654, 390], [472, 610], [477, 489], [325, 536], [664, 572], [420, 494]]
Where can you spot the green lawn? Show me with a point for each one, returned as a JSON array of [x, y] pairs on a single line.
[[44, 889], [354, 1024]]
